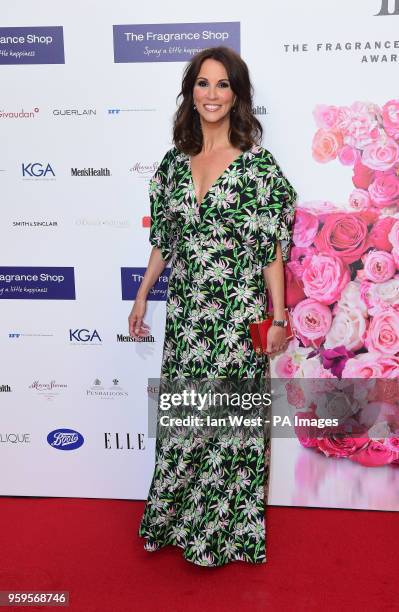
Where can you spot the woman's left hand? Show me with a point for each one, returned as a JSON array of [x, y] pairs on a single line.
[[276, 339]]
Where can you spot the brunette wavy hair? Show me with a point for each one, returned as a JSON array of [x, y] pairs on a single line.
[[245, 129]]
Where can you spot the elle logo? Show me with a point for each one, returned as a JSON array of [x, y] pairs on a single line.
[[385, 6]]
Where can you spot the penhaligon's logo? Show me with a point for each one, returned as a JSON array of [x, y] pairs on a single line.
[[389, 7]]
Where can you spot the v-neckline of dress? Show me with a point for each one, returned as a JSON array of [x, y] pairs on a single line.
[[215, 183]]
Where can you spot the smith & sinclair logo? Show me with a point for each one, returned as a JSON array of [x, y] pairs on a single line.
[[388, 8]]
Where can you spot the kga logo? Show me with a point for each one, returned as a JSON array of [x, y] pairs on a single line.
[[385, 6], [84, 335], [65, 439], [36, 169]]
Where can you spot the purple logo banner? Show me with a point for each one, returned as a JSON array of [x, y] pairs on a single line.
[[33, 283], [172, 42], [131, 279], [32, 45]]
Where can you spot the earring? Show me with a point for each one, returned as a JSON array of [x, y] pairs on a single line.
[[194, 107]]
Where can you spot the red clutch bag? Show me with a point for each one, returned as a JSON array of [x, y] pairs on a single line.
[[259, 329]]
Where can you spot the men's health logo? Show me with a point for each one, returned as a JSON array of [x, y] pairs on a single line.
[[32, 45], [171, 42], [131, 279], [65, 439], [37, 283], [36, 170], [84, 336]]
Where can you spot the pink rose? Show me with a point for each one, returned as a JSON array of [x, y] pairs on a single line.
[[385, 393], [362, 176], [312, 321], [337, 446], [379, 235], [395, 255], [392, 444], [390, 117], [325, 116], [359, 124], [393, 235], [319, 207], [381, 155], [384, 190], [348, 156], [285, 366], [348, 328], [326, 144], [324, 277], [313, 368], [344, 235], [295, 394], [351, 298], [307, 435], [374, 455], [381, 294], [294, 292], [298, 255], [305, 228], [371, 365], [379, 266], [389, 366], [359, 199], [383, 333]]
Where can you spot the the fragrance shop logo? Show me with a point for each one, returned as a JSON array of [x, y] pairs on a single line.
[[388, 7]]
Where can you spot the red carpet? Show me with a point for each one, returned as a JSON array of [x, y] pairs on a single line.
[[317, 560]]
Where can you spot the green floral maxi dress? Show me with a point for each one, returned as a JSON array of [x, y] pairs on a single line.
[[206, 496]]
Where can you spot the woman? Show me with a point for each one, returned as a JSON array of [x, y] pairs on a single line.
[[222, 212]]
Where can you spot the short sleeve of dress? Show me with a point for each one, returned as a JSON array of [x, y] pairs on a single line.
[[162, 230], [276, 199]]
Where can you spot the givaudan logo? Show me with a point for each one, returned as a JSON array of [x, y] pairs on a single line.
[[65, 439], [386, 5], [21, 114]]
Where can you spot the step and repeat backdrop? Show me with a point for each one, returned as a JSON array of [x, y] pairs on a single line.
[[87, 96]]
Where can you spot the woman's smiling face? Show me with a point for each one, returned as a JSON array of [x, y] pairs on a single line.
[[212, 93]]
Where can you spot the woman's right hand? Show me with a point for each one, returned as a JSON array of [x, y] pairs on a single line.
[[137, 327]]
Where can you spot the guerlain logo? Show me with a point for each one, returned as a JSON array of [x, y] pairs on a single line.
[[386, 5]]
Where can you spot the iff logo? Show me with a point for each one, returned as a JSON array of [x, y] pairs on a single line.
[[385, 5], [114, 111]]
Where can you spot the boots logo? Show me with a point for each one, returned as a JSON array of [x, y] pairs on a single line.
[[85, 336], [389, 8], [65, 439], [37, 170]]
